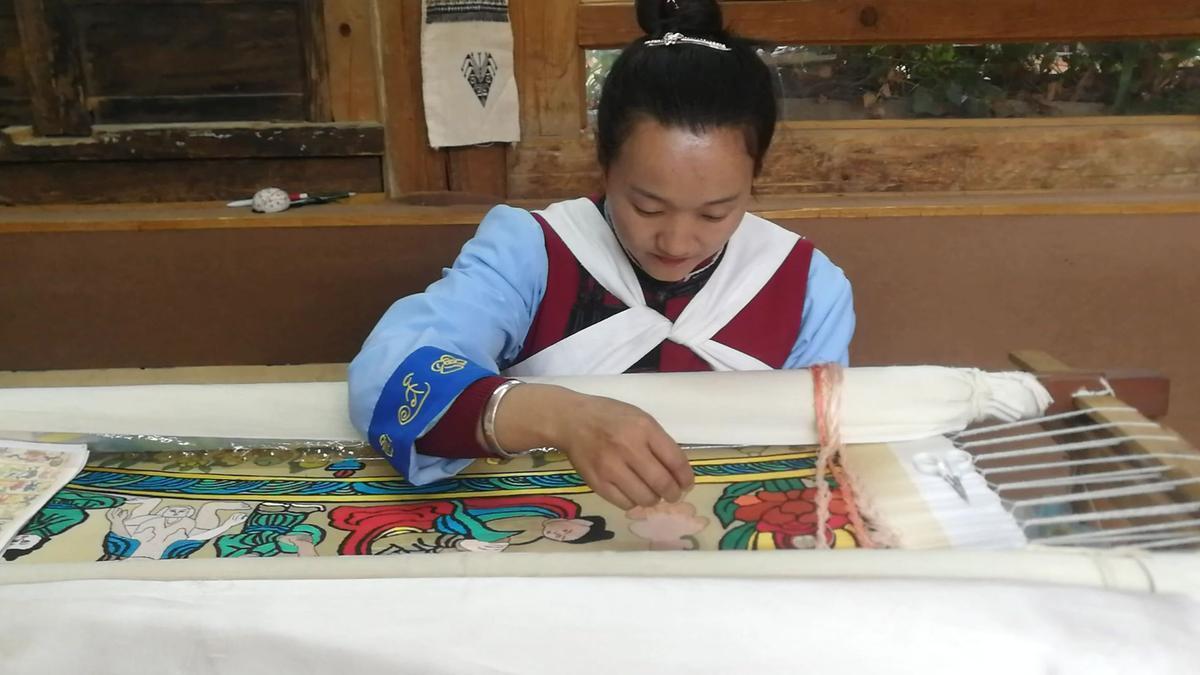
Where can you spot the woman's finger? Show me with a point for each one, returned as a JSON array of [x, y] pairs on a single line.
[[673, 458], [655, 475], [625, 478]]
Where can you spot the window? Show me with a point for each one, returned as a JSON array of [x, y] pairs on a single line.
[[972, 81]]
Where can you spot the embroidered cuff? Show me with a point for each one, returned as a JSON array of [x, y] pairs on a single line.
[[415, 396]]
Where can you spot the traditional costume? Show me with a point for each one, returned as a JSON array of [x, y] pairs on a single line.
[[554, 293]]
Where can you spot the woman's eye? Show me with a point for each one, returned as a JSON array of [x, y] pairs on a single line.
[[644, 212], [714, 219]]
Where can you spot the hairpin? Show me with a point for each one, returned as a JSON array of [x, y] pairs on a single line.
[[671, 39]]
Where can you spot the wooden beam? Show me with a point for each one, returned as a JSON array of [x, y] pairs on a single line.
[[1148, 392], [127, 377], [52, 61], [183, 179], [1104, 153], [353, 71], [199, 141], [411, 165], [919, 21], [311, 20], [1036, 361]]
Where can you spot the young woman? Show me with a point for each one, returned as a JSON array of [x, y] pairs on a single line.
[[665, 272]]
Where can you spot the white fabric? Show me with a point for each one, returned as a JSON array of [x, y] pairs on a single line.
[[915, 510], [451, 54], [753, 255], [607, 625], [898, 403], [743, 408]]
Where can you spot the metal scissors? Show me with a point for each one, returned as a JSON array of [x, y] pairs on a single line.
[[950, 466]]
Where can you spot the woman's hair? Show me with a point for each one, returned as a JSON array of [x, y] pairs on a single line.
[[687, 85], [14, 553], [598, 532]]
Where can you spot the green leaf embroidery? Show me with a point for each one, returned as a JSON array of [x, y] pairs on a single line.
[[737, 539]]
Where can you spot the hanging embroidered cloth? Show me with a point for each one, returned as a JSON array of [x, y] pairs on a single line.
[[467, 73]]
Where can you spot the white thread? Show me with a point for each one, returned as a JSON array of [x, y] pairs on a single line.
[[1106, 391], [1165, 486], [1171, 543], [1070, 447], [1123, 476], [1058, 432], [1136, 512], [1113, 459], [1030, 422], [1116, 533]]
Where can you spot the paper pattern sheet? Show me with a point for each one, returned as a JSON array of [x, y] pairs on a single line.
[[30, 474]]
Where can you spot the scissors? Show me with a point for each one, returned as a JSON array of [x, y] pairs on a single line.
[[949, 466]]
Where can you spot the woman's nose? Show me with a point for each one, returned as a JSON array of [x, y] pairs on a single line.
[[673, 238]]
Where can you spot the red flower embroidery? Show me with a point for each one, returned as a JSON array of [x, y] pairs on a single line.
[[789, 514]]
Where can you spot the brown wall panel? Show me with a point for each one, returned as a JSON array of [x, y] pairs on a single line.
[[206, 297], [1097, 291]]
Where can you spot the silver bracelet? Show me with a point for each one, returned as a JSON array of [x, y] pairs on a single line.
[[489, 422]]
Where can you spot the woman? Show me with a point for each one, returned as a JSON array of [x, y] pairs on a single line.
[[665, 272]]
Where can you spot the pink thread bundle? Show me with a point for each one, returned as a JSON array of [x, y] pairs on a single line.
[[827, 402]]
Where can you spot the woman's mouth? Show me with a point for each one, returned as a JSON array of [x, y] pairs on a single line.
[[667, 261]]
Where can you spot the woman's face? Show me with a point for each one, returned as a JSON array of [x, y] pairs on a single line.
[[676, 196]]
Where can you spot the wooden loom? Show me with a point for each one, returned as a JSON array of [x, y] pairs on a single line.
[[1146, 392], [1094, 471]]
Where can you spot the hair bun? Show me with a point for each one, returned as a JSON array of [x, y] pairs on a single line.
[[695, 18]]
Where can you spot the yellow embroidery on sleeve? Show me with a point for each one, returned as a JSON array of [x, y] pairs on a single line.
[[415, 394], [448, 364]]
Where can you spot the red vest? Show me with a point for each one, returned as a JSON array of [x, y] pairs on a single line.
[[766, 328]]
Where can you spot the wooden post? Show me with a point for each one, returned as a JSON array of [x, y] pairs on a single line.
[[313, 46], [52, 60], [411, 165], [353, 75], [550, 68]]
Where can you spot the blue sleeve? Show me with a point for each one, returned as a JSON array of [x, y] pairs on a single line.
[[828, 322], [430, 346]]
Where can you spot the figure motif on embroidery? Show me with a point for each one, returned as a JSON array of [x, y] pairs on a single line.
[[345, 468], [274, 530], [65, 510], [668, 527], [480, 69], [137, 530], [480, 525]]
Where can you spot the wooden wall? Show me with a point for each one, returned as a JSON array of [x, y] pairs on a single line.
[[323, 62], [274, 92]]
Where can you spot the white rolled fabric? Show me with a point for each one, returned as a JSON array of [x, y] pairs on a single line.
[[745, 408], [896, 403]]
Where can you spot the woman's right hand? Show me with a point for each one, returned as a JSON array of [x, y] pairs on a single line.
[[622, 453]]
